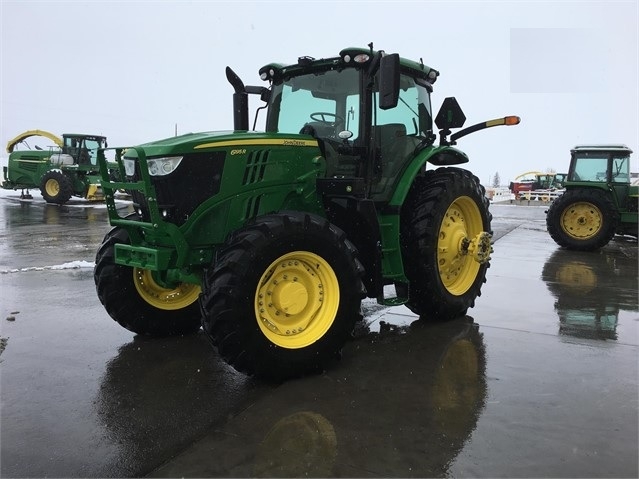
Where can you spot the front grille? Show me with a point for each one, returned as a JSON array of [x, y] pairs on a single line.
[[29, 164], [255, 167], [197, 178]]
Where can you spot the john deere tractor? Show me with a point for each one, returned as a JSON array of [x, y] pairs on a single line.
[[599, 200], [66, 170], [270, 240]]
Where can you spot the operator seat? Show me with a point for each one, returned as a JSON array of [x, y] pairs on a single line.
[[83, 157], [386, 134]]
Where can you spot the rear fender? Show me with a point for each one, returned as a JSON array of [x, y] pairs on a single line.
[[438, 156]]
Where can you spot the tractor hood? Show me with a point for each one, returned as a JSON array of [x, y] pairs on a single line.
[[191, 142], [198, 142]]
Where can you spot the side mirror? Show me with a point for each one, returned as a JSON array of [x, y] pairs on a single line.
[[389, 81]]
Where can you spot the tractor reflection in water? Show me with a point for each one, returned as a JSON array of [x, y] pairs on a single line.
[[587, 307]]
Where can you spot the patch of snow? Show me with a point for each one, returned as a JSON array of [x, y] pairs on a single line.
[[57, 267]]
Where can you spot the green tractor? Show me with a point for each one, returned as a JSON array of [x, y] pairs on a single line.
[[270, 240], [599, 200], [66, 170]]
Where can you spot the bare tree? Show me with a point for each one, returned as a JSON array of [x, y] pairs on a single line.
[[496, 180]]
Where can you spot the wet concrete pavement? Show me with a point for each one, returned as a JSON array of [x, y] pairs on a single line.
[[540, 379]]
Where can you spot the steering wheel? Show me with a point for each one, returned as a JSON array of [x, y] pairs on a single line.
[[320, 116]]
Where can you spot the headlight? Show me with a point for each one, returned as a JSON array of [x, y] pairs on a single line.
[[163, 166], [129, 167]]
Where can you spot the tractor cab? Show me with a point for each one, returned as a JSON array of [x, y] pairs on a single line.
[[600, 164], [83, 149], [344, 110]]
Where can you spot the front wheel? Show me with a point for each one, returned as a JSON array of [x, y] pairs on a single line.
[[445, 235], [582, 219], [56, 187], [283, 296], [134, 299]]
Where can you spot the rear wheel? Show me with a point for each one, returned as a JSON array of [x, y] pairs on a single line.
[[134, 299], [582, 219], [56, 187], [445, 232], [283, 296]]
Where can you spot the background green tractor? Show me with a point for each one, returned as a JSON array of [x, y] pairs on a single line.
[[599, 200], [270, 240], [66, 170]]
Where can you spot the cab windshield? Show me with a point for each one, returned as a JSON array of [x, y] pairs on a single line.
[[321, 100], [327, 103]]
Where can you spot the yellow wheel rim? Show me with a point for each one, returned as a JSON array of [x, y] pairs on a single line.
[[457, 388], [297, 299], [582, 220], [164, 298], [302, 444], [52, 187], [461, 224], [577, 277]]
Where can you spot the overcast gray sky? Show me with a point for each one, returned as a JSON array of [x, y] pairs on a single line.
[[133, 70]]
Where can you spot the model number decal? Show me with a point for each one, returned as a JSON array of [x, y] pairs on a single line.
[[238, 152]]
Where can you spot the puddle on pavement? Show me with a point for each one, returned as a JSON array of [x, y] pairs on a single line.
[[400, 405]]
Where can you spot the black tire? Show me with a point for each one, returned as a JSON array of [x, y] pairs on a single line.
[[582, 219], [56, 187], [277, 323], [136, 302], [443, 207]]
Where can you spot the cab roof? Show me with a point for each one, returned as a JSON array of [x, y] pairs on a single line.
[[619, 148], [348, 57]]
